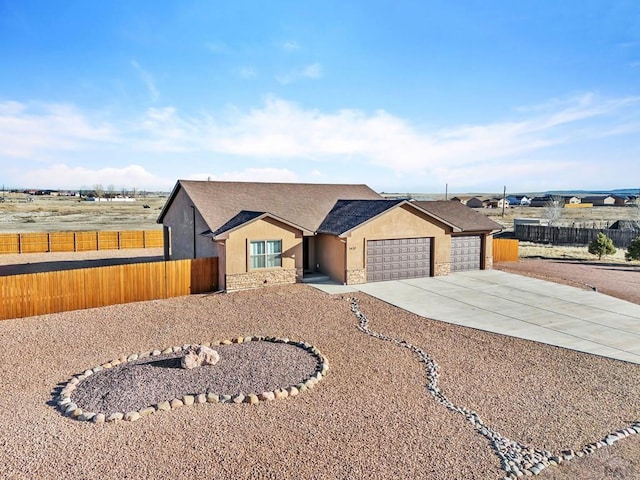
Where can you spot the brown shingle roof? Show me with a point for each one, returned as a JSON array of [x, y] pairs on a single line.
[[467, 219], [303, 204]]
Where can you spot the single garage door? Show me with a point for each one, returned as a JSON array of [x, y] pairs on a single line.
[[398, 259], [465, 253]]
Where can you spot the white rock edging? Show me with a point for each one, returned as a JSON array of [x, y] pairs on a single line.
[[516, 459], [70, 409]]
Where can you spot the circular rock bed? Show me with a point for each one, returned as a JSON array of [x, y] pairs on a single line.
[[250, 370]]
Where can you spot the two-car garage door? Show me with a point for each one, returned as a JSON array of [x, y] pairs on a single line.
[[398, 259]]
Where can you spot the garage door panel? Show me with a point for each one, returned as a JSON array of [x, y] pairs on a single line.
[[398, 259], [466, 253]]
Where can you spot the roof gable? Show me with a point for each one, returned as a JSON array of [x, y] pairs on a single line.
[[348, 214], [245, 217]]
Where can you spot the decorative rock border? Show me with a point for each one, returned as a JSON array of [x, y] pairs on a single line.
[[70, 409], [516, 459]]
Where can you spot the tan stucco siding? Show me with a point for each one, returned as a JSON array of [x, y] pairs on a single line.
[[330, 256], [401, 222], [487, 246], [180, 219], [237, 245]]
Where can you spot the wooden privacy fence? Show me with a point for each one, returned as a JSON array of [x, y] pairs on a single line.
[[505, 250], [572, 236], [60, 291], [79, 241]]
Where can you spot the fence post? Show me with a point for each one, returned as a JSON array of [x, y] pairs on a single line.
[[118, 239], [19, 243], [48, 242]]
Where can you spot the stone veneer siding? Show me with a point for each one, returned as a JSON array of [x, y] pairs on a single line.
[[261, 278], [356, 276], [443, 268], [488, 263]]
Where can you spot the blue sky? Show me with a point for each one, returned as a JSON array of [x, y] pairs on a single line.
[[405, 96]]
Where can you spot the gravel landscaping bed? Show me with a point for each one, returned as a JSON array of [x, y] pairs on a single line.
[[371, 417]]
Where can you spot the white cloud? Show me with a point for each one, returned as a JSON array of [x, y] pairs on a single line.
[[69, 177], [312, 71], [148, 81], [290, 46], [247, 72], [36, 131], [554, 138]]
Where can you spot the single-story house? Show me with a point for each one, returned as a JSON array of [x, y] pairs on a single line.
[[546, 200], [571, 200], [521, 200], [604, 200], [471, 202], [274, 233], [498, 203]]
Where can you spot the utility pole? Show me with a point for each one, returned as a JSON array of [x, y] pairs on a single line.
[[504, 199], [446, 191]]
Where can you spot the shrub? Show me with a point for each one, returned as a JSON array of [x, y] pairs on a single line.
[[601, 246], [633, 250]]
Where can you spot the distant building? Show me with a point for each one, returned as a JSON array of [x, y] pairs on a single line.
[[469, 201], [604, 200]]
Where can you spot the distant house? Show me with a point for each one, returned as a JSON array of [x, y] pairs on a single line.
[[275, 233], [571, 200], [604, 200], [545, 200], [498, 203], [471, 202], [521, 200]]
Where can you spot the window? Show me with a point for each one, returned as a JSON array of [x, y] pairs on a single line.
[[266, 254]]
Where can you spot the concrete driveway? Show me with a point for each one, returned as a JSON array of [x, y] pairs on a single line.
[[518, 306]]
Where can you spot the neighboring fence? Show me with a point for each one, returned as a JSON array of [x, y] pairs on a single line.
[[60, 291], [79, 241], [505, 250], [572, 236]]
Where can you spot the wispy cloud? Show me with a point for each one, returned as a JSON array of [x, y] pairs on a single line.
[[290, 46], [148, 81], [61, 175], [311, 71], [37, 131], [247, 72], [282, 135]]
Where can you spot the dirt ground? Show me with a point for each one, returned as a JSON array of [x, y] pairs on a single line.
[[616, 279], [21, 213]]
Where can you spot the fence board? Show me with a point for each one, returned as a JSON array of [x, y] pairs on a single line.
[[153, 239], [505, 250], [86, 241], [108, 240], [34, 242], [62, 242], [51, 292], [42, 242], [9, 243], [572, 236]]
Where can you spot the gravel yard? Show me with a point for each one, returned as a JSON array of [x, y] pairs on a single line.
[[371, 417]]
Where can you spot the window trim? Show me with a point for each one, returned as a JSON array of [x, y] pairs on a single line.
[[264, 255]]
